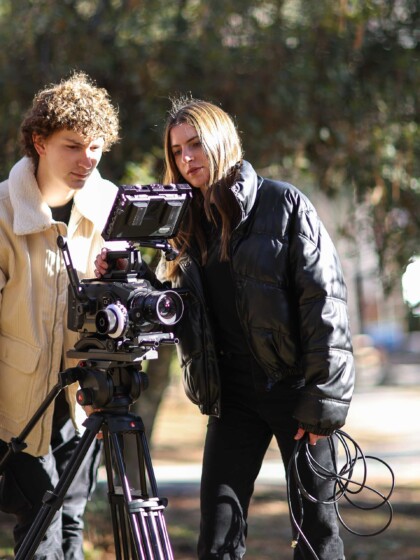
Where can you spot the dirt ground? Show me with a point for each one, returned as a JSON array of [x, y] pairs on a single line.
[[177, 445]]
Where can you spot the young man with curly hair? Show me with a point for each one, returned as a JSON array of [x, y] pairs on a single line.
[[55, 189]]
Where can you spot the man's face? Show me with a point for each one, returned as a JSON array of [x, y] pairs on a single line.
[[66, 159]]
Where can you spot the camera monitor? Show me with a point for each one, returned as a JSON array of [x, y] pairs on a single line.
[[142, 212]]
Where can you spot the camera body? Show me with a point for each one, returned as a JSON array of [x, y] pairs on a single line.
[[123, 309]]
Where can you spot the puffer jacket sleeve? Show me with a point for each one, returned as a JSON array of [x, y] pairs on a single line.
[[325, 339]]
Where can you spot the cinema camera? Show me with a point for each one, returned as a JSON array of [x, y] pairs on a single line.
[[120, 316]]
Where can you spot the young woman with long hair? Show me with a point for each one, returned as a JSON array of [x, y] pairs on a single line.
[[264, 342]]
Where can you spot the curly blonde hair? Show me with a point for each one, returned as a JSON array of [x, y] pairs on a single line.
[[75, 104]]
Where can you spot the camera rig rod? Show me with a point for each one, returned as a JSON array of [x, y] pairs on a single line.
[[76, 287], [162, 244]]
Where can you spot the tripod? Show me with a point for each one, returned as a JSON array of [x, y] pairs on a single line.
[[138, 522]]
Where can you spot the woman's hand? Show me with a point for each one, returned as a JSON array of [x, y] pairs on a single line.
[[101, 265], [313, 438]]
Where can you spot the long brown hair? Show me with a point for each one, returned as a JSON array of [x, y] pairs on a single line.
[[222, 146]]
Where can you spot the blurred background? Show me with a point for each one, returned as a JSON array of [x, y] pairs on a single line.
[[325, 94]]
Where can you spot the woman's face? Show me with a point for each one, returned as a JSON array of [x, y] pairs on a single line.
[[189, 156]]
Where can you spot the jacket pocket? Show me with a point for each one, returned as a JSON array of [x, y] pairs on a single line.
[[19, 354], [18, 362], [189, 385]]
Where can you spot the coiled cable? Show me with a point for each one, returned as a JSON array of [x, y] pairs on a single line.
[[345, 485]]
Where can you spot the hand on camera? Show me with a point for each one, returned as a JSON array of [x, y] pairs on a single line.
[[102, 265], [89, 409]]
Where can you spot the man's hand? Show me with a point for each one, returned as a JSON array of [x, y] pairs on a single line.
[[313, 438], [90, 410]]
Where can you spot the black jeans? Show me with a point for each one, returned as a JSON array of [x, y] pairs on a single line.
[[27, 478], [234, 450]]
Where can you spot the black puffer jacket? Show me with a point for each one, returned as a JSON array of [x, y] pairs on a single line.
[[291, 300]]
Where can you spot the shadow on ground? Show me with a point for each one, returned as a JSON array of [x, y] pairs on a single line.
[[269, 536]]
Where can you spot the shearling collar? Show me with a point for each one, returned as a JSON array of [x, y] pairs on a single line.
[[32, 214]]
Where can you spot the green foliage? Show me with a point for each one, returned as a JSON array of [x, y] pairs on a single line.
[[323, 91]]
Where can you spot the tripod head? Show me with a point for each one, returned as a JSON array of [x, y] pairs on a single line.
[[110, 379], [110, 385]]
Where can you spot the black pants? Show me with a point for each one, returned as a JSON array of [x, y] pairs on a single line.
[[27, 478], [234, 450]]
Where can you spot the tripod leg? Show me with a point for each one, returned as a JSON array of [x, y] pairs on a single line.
[[140, 533], [118, 511], [149, 536], [53, 500], [18, 444], [156, 518]]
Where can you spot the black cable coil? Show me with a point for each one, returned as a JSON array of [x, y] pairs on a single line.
[[344, 484]]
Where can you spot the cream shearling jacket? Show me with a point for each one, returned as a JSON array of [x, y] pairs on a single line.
[[33, 294]]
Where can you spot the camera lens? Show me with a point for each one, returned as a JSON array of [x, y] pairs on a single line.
[[167, 309], [164, 308]]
